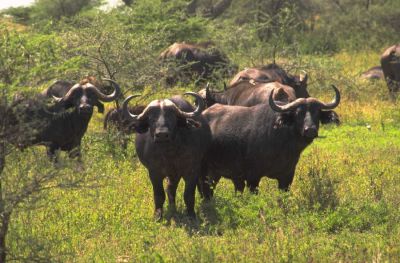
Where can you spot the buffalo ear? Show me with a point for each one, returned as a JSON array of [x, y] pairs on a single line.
[[329, 116], [188, 123], [284, 120], [303, 79], [280, 95], [61, 105], [100, 107], [181, 122], [141, 126]]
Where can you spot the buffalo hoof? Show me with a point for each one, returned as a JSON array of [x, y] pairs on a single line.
[[191, 215], [158, 214], [254, 190], [172, 208]]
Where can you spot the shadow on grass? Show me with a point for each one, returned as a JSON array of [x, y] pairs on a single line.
[[209, 221]]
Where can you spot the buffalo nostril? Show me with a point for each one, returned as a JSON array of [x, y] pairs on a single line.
[[162, 135], [84, 107], [310, 132]]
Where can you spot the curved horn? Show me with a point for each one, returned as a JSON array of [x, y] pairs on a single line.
[[208, 90], [303, 76], [286, 107], [125, 109], [57, 99], [208, 86], [108, 98], [200, 106], [335, 102], [66, 96]]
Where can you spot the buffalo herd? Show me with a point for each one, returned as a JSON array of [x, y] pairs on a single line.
[[257, 126]]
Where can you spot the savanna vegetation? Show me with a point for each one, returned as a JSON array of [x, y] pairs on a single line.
[[344, 204]]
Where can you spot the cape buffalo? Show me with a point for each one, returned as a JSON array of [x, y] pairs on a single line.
[[171, 139], [192, 62], [244, 93], [60, 125], [264, 140], [390, 62], [373, 73], [272, 73], [117, 122]]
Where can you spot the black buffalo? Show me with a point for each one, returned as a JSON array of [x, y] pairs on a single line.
[[245, 93], [390, 62], [265, 140], [373, 73], [272, 73], [171, 139], [192, 62], [58, 117]]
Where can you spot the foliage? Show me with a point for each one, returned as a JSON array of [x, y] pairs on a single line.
[[21, 14], [111, 50], [29, 59], [56, 9]]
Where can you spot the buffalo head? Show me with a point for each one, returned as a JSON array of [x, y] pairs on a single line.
[[84, 96], [163, 117], [305, 113]]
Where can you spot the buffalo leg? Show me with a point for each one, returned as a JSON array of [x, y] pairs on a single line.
[[159, 194], [189, 195], [125, 143], [239, 185], [206, 187], [204, 183], [392, 88], [76, 153], [285, 181], [172, 185], [51, 153], [253, 185]]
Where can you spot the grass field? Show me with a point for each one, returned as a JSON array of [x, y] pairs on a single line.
[[344, 204]]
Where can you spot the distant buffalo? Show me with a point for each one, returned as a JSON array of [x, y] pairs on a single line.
[[247, 94], [390, 62], [249, 143], [272, 73], [373, 73], [171, 139], [58, 117], [193, 62]]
